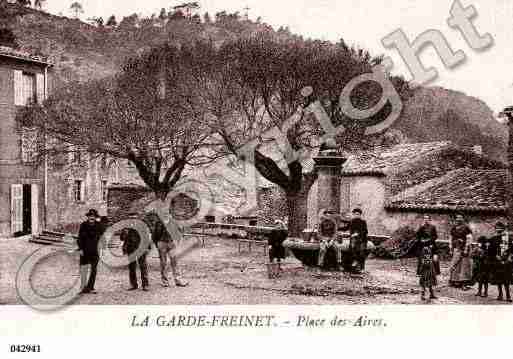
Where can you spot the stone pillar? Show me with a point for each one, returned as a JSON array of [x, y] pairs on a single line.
[[329, 168]]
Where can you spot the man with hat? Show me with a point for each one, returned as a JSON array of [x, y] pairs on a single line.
[[358, 243], [88, 240], [131, 243], [502, 273]]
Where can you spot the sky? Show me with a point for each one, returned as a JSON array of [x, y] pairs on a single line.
[[487, 75]]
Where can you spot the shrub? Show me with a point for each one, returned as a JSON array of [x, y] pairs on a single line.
[[398, 244]]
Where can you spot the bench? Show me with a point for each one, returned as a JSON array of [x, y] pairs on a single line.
[[250, 243]]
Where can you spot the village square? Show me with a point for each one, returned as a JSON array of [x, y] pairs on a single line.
[[188, 158]]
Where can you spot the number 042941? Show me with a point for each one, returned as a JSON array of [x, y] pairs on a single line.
[[25, 348]]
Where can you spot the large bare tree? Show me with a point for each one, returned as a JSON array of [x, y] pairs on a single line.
[[253, 86], [146, 114]]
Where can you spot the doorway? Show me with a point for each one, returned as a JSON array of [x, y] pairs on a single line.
[[24, 209]]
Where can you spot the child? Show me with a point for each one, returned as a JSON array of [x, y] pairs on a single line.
[[275, 242], [426, 269], [482, 265]]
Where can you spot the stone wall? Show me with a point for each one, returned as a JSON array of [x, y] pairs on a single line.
[[124, 199], [271, 205], [480, 223], [121, 198]]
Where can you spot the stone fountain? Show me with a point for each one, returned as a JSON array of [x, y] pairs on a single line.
[[306, 249]]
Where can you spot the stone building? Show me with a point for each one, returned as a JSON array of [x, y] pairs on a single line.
[[51, 193], [386, 183], [23, 189]]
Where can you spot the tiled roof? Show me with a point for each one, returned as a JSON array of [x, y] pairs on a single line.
[[380, 161], [21, 55], [459, 190]]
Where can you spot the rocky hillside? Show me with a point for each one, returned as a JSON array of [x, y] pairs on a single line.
[[434, 114], [82, 51]]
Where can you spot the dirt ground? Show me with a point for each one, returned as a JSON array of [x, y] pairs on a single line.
[[219, 274]]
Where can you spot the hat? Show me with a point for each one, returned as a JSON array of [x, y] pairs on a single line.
[[357, 210], [92, 213]]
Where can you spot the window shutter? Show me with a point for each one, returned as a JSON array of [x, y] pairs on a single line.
[[35, 208], [82, 191], [40, 86], [18, 88], [16, 208]]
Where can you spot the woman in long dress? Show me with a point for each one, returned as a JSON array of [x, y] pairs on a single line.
[[461, 264]]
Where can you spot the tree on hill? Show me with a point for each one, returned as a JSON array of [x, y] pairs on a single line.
[[163, 14], [38, 4], [23, 2], [97, 21], [111, 22], [206, 18], [129, 22], [146, 114], [187, 8], [77, 9], [176, 15]]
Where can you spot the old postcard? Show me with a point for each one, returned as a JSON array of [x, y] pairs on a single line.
[[239, 168]]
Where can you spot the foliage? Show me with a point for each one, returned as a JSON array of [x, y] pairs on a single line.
[[7, 38], [256, 83], [112, 21], [77, 8], [145, 114], [398, 244]]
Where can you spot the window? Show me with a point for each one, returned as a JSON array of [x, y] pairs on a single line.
[[103, 190], [25, 91], [29, 145], [78, 191]]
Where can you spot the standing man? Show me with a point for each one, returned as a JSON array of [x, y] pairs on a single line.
[[88, 240], [166, 246], [502, 275], [131, 242], [358, 232]]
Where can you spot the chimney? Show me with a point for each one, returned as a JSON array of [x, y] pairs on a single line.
[[478, 150]]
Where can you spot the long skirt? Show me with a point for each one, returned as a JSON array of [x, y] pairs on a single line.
[[461, 269], [427, 274]]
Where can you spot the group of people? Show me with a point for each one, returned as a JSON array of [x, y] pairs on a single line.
[[329, 224], [88, 242], [489, 261]]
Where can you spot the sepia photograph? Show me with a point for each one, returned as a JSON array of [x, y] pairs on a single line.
[[255, 153]]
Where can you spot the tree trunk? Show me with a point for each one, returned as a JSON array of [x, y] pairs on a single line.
[[297, 212]]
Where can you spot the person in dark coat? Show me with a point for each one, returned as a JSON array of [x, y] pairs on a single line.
[[503, 267], [485, 260], [327, 235], [131, 242], [427, 231], [358, 232], [88, 241], [275, 242]]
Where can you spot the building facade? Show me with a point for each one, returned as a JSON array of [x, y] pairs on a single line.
[[23, 79]]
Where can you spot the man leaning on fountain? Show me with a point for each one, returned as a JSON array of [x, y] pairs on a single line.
[[328, 238]]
